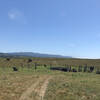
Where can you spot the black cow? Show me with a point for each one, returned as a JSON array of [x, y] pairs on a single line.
[[8, 59], [29, 61], [15, 69], [98, 72], [45, 65], [74, 70], [64, 69], [91, 68], [59, 68]]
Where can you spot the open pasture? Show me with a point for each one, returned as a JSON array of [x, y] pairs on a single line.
[[42, 83]]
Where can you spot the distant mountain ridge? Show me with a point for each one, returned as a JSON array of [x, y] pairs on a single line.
[[31, 54]]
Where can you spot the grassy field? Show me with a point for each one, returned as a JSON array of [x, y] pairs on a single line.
[[45, 84], [74, 86], [61, 85], [23, 62]]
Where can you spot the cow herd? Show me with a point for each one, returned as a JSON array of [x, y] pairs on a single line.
[[76, 69], [85, 68]]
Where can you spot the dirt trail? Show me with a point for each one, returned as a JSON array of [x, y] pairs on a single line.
[[43, 88], [26, 94], [41, 92]]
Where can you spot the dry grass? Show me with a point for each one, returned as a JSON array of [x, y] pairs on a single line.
[[62, 86], [22, 62], [12, 85], [74, 86]]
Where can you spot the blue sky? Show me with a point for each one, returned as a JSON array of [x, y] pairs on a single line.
[[66, 27]]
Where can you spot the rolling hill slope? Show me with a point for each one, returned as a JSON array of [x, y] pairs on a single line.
[[31, 54]]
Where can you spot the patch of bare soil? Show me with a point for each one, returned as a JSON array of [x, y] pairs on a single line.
[[26, 94], [33, 88]]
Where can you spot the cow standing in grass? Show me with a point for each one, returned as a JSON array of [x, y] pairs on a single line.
[[45, 65], [74, 70], [15, 69], [91, 68]]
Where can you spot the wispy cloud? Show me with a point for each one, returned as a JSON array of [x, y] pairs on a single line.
[[14, 14], [17, 15]]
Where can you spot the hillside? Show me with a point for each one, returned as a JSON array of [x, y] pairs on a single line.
[[31, 54]]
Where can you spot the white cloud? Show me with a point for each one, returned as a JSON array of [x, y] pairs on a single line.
[[14, 14], [17, 15]]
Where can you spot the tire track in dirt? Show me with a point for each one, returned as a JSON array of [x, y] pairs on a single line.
[[43, 89], [26, 94], [33, 88]]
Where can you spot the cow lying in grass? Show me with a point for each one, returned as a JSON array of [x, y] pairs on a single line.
[[63, 69]]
